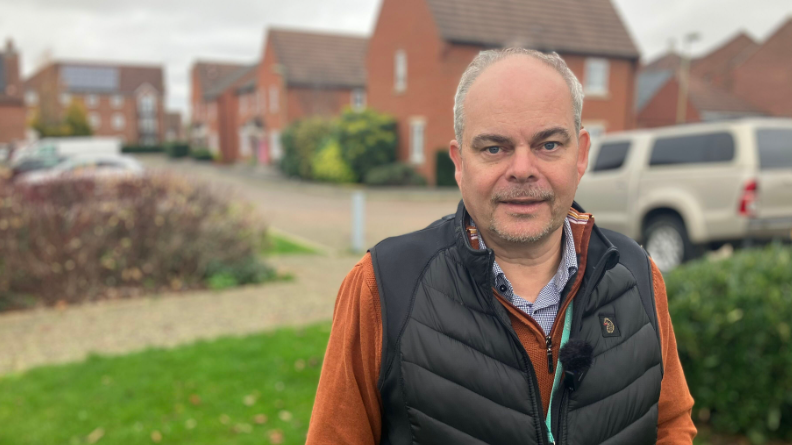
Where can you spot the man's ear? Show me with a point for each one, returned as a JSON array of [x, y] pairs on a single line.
[[455, 151], [584, 144]]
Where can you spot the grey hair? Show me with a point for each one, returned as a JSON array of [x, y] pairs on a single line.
[[487, 58]]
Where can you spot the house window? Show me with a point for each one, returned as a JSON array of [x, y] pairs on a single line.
[[417, 127], [95, 120], [595, 130], [31, 98], [91, 101], [118, 121], [358, 99], [65, 99], [400, 71], [273, 96], [148, 104], [148, 125], [275, 146], [117, 101], [597, 72], [261, 101]]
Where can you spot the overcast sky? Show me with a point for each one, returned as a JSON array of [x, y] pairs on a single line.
[[175, 33]]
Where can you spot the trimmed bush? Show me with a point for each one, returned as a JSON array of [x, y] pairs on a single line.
[[444, 169], [77, 240], [178, 150], [394, 174], [368, 140], [733, 324], [142, 149], [328, 165], [201, 154], [301, 141]]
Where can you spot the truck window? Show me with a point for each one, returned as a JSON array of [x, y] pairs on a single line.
[[775, 148], [611, 156], [694, 149]]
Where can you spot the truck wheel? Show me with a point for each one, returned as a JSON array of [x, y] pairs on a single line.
[[667, 242]]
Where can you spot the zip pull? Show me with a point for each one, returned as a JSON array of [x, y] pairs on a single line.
[[549, 343]]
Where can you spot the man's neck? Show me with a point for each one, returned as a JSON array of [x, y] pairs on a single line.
[[529, 267]]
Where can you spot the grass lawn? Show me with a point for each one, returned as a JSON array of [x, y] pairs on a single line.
[[277, 244], [253, 390]]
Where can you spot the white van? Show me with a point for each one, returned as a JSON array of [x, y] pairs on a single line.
[[680, 189]]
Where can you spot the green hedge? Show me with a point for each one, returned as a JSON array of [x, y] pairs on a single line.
[[733, 324], [444, 169], [394, 174], [142, 149], [177, 150], [368, 140], [201, 154], [301, 141], [328, 165]]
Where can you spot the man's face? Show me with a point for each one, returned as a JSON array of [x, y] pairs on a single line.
[[520, 161]]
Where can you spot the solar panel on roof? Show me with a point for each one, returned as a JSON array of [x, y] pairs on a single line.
[[90, 78]]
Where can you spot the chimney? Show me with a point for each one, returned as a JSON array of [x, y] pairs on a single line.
[[9, 48]]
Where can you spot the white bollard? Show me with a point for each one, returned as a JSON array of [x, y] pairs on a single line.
[[358, 221]]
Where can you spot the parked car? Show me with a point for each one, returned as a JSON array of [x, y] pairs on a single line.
[[681, 189], [103, 166]]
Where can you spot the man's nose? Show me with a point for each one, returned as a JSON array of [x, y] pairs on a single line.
[[522, 167]]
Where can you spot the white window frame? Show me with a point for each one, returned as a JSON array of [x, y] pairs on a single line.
[[91, 101], [597, 76], [400, 71], [596, 129], [117, 101], [417, 141], [119, 121], [95, 120], [358, 101], [261, 101], [273, 99], [31, 97], [275, 149]]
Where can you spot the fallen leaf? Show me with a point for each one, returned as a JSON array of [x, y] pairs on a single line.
[[260, 419], [243, 428], [280, 386], [249, 400], [195, 399], [285, 416], [276, 437], [190, 424], [224, 419], [156, 436], [299, 365], [95, 435]]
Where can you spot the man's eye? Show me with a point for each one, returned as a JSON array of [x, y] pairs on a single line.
[[494, 150], [550, 145]]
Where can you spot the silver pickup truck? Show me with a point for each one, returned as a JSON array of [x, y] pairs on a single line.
[[679, 190]]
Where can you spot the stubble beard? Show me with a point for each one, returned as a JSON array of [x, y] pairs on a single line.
[[556, 216]]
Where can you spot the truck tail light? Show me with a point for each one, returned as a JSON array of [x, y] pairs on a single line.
[[748, 200]]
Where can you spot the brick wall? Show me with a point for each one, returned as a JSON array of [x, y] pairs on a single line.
[[661, 110], [12, 123], [303, 102], [434, 68], [765, 79]]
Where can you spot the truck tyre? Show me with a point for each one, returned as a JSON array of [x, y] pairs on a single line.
[[666, 240]]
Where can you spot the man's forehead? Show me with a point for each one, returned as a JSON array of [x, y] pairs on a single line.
[[519, 89]]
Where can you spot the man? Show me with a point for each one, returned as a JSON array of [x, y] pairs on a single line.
[[452, 335]]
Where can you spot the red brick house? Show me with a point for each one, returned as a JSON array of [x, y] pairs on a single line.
[[204, 121], [420, 48], [174, 130], [306, 73], [12, 105], [224, 96], [765, 77], [126, 101]]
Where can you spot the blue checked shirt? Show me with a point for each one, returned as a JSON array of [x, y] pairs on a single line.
[[545, 308]]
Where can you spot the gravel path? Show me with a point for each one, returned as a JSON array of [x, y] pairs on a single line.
[[318, 214], [44, 336]]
